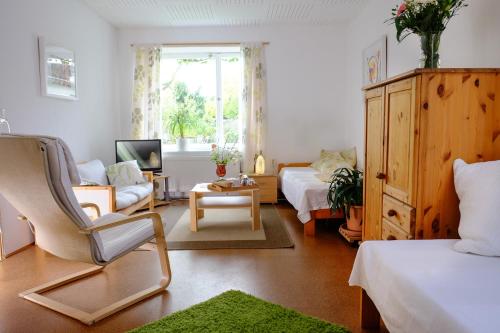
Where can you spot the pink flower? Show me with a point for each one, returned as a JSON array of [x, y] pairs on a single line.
[[214, 146], [401, 9]]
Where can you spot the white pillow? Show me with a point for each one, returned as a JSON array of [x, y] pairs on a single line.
[[125, 174], [478, 188], [92, 173]]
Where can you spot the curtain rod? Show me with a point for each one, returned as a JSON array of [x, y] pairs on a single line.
[[196, 44]]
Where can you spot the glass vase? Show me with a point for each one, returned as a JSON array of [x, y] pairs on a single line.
[[220, 170], [429, 43]]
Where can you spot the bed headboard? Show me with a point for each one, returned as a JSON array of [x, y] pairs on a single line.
[[295, 164]]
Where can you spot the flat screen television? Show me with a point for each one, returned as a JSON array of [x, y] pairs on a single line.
[[146, 152]]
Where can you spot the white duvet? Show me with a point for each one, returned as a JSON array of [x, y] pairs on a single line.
[[425, 286], [303, 190]]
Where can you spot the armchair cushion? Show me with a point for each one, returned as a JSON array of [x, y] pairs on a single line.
[[129, 195], [93, 173], [122, 239], [125, 174]]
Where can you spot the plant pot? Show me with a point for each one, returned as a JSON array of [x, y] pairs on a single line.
[[354, 220], [182, 144], [429, 43]]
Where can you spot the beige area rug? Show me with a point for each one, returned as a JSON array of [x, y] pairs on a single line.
[[225, 229]]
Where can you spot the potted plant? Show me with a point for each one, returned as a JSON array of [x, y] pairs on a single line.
[[428, 19], [222, 156], [346, 193], [184, 116], [180, 121]]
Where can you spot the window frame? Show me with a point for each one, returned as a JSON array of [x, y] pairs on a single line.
[[204, 149]]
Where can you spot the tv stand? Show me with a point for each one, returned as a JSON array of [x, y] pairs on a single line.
[[158, 177]]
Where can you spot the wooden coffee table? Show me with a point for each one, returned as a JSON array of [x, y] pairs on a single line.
[[201, 198]]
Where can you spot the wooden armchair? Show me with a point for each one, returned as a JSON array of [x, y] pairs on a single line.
[[36, 179]]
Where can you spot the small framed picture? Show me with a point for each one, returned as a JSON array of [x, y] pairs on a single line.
[[375, 62], [57, 71]]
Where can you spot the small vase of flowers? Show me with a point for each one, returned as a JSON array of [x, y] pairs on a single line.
[[428, 19], [222, 156]]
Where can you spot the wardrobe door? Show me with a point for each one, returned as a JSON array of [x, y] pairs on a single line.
[[374, 137], [401, 131]]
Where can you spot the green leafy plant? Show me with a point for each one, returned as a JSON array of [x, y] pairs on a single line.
[[185, 116], [424, 16], [346, 190], [224, 155]]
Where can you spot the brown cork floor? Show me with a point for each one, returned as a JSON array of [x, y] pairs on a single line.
[[311, 278]]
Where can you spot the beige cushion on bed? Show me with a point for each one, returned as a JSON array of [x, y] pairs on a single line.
[[332, 160], [326, 172], [348, 155]]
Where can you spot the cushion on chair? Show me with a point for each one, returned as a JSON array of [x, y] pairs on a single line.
[[120, 240], [93, 173], [129, 195], [125, 174]]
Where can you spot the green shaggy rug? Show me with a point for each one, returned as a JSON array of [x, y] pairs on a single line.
[[234, 311]]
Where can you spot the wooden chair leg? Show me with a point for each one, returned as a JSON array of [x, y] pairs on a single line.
[[310, 228], [370, 317], [34, 294], [152, 202], [193, 211]]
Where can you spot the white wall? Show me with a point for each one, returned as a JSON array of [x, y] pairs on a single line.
[[87, 125], [472, 39], [306, 89]]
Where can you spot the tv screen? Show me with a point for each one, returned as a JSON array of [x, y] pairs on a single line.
[[146, 152]]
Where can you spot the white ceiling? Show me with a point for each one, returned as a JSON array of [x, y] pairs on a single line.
[[165, 13]]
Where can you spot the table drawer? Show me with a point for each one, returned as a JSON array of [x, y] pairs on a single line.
[[393, 232], [399, 214], [265, 181]]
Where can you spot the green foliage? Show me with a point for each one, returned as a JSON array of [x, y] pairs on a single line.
[[346, 189], [424, 16], [188, 110]]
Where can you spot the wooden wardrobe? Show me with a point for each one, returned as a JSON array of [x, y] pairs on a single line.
[[416, 125]]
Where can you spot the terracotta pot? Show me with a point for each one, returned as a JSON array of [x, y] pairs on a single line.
[[355, 220], [220, 170]]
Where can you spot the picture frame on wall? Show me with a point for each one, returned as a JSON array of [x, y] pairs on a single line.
[[375, 61], [58, 71]]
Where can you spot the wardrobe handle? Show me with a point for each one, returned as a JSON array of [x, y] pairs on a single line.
[[380, 175], [392, 213]]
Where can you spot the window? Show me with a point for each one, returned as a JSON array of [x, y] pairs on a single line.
[[200, 97]]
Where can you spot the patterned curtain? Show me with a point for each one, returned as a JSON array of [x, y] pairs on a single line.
[[254, 103], [146, 115]]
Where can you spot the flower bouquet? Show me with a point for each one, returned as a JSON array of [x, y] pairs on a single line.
[[428, 19], [222, 156]]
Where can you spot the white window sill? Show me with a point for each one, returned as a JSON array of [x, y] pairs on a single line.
[[186, 155]]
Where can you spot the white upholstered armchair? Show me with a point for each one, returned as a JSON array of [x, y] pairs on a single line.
[[36, 177]]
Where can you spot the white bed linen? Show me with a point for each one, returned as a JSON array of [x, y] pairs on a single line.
[[426, 286], [303, 190]]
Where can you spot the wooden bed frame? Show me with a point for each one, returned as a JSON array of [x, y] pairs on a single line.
[[310, 226]]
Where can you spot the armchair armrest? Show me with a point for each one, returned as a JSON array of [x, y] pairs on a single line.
[[157, 222], [149, 175], [104, 196], [94, 206]]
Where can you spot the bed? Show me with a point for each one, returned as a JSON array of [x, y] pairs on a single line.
[[426, 286], [306, 193]]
